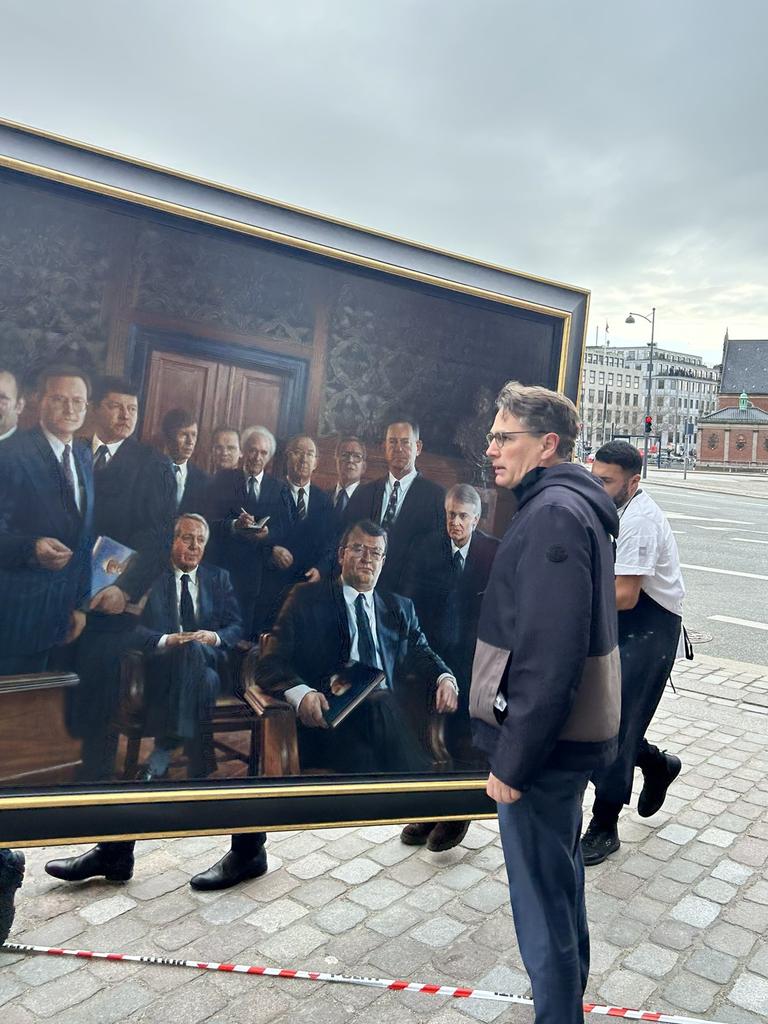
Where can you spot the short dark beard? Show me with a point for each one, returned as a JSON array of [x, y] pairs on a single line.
[[622, 497]]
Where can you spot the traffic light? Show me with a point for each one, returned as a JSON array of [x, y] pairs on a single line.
[[648, 424]]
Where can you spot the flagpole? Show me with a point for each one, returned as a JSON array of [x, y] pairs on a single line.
[[605, 389]]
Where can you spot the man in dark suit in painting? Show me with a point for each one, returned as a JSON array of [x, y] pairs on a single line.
[[135, 496], [179, 432], [446, 580], [307, 552], [46, 515], [135, 505], [237, 500], [405, 503], [189, 624], [325, 625]]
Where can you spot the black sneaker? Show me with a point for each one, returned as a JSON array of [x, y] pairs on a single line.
[[656, 782], [599, 843]]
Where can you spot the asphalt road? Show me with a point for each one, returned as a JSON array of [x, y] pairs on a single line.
[[723, 544]]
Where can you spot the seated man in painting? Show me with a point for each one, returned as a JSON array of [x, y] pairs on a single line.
[[327, 624], [189, 625]]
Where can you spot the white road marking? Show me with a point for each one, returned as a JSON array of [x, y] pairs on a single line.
[[749, 540], [708, 519], [700, 526], [739, 622], [726, 572], [680, 533]]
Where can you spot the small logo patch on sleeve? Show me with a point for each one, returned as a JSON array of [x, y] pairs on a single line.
[[556, 553]]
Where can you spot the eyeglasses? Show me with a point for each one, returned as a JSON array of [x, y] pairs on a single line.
[[500, 437], [373, 553], [63, 402], [350, 457]]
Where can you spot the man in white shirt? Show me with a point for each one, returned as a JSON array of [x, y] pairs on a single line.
[[323, 626], [649, 599], [11, 404]]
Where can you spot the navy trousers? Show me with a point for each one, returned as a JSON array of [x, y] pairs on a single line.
[[540, 835]]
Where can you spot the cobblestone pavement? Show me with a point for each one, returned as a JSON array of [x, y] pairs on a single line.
[[679, 916]]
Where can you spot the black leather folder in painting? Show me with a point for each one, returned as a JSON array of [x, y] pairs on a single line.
[[349, 688]]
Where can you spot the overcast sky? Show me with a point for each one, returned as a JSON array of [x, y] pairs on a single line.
[[619, 146]]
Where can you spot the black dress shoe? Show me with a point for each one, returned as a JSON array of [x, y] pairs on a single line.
[[446, 834], [229, 871], [11, 877], [656, 782], [599, 843], [92, 864], [417, 833]]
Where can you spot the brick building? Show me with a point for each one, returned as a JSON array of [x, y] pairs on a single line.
[[735, 436]]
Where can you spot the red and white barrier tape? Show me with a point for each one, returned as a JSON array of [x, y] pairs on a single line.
[[383, 983]]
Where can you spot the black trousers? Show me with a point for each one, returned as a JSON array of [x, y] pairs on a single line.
[[540, 835], [648, 639], [375, 738]]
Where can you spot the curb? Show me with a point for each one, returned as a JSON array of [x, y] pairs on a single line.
[[703, 489]]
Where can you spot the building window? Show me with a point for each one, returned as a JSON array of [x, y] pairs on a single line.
[[600, 395], [610, 378], [591, 395], [610, 398], [713, 441], [591, 376], [741, 442], [635, 400], [601, 378], [619, 379]]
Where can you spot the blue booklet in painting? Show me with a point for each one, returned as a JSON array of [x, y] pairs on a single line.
[[109, 560]]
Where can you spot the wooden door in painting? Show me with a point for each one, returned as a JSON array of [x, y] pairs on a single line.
[[215, 392]]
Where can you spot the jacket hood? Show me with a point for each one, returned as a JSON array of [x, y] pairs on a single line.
[[575, 478]]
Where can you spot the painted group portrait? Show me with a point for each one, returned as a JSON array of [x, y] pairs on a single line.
[[247, 519]]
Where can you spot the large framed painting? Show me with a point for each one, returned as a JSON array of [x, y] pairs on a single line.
[[246, 519]]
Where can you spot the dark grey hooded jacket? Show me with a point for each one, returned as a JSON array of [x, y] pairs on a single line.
[[546, 679]]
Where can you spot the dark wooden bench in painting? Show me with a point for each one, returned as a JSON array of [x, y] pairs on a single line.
[[35, 747]]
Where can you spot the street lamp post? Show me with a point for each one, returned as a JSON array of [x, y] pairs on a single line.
[[652, 321]]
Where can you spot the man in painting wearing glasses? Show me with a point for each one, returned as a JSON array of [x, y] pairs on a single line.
[[46, 514], [546, 689], [325, 625]]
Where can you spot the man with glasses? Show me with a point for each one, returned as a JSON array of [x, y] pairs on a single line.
[[405, 503], [350, 469], [545, 695], [46, 514], [325, 625]]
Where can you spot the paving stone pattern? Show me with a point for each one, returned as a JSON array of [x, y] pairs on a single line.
[[678, 917]]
